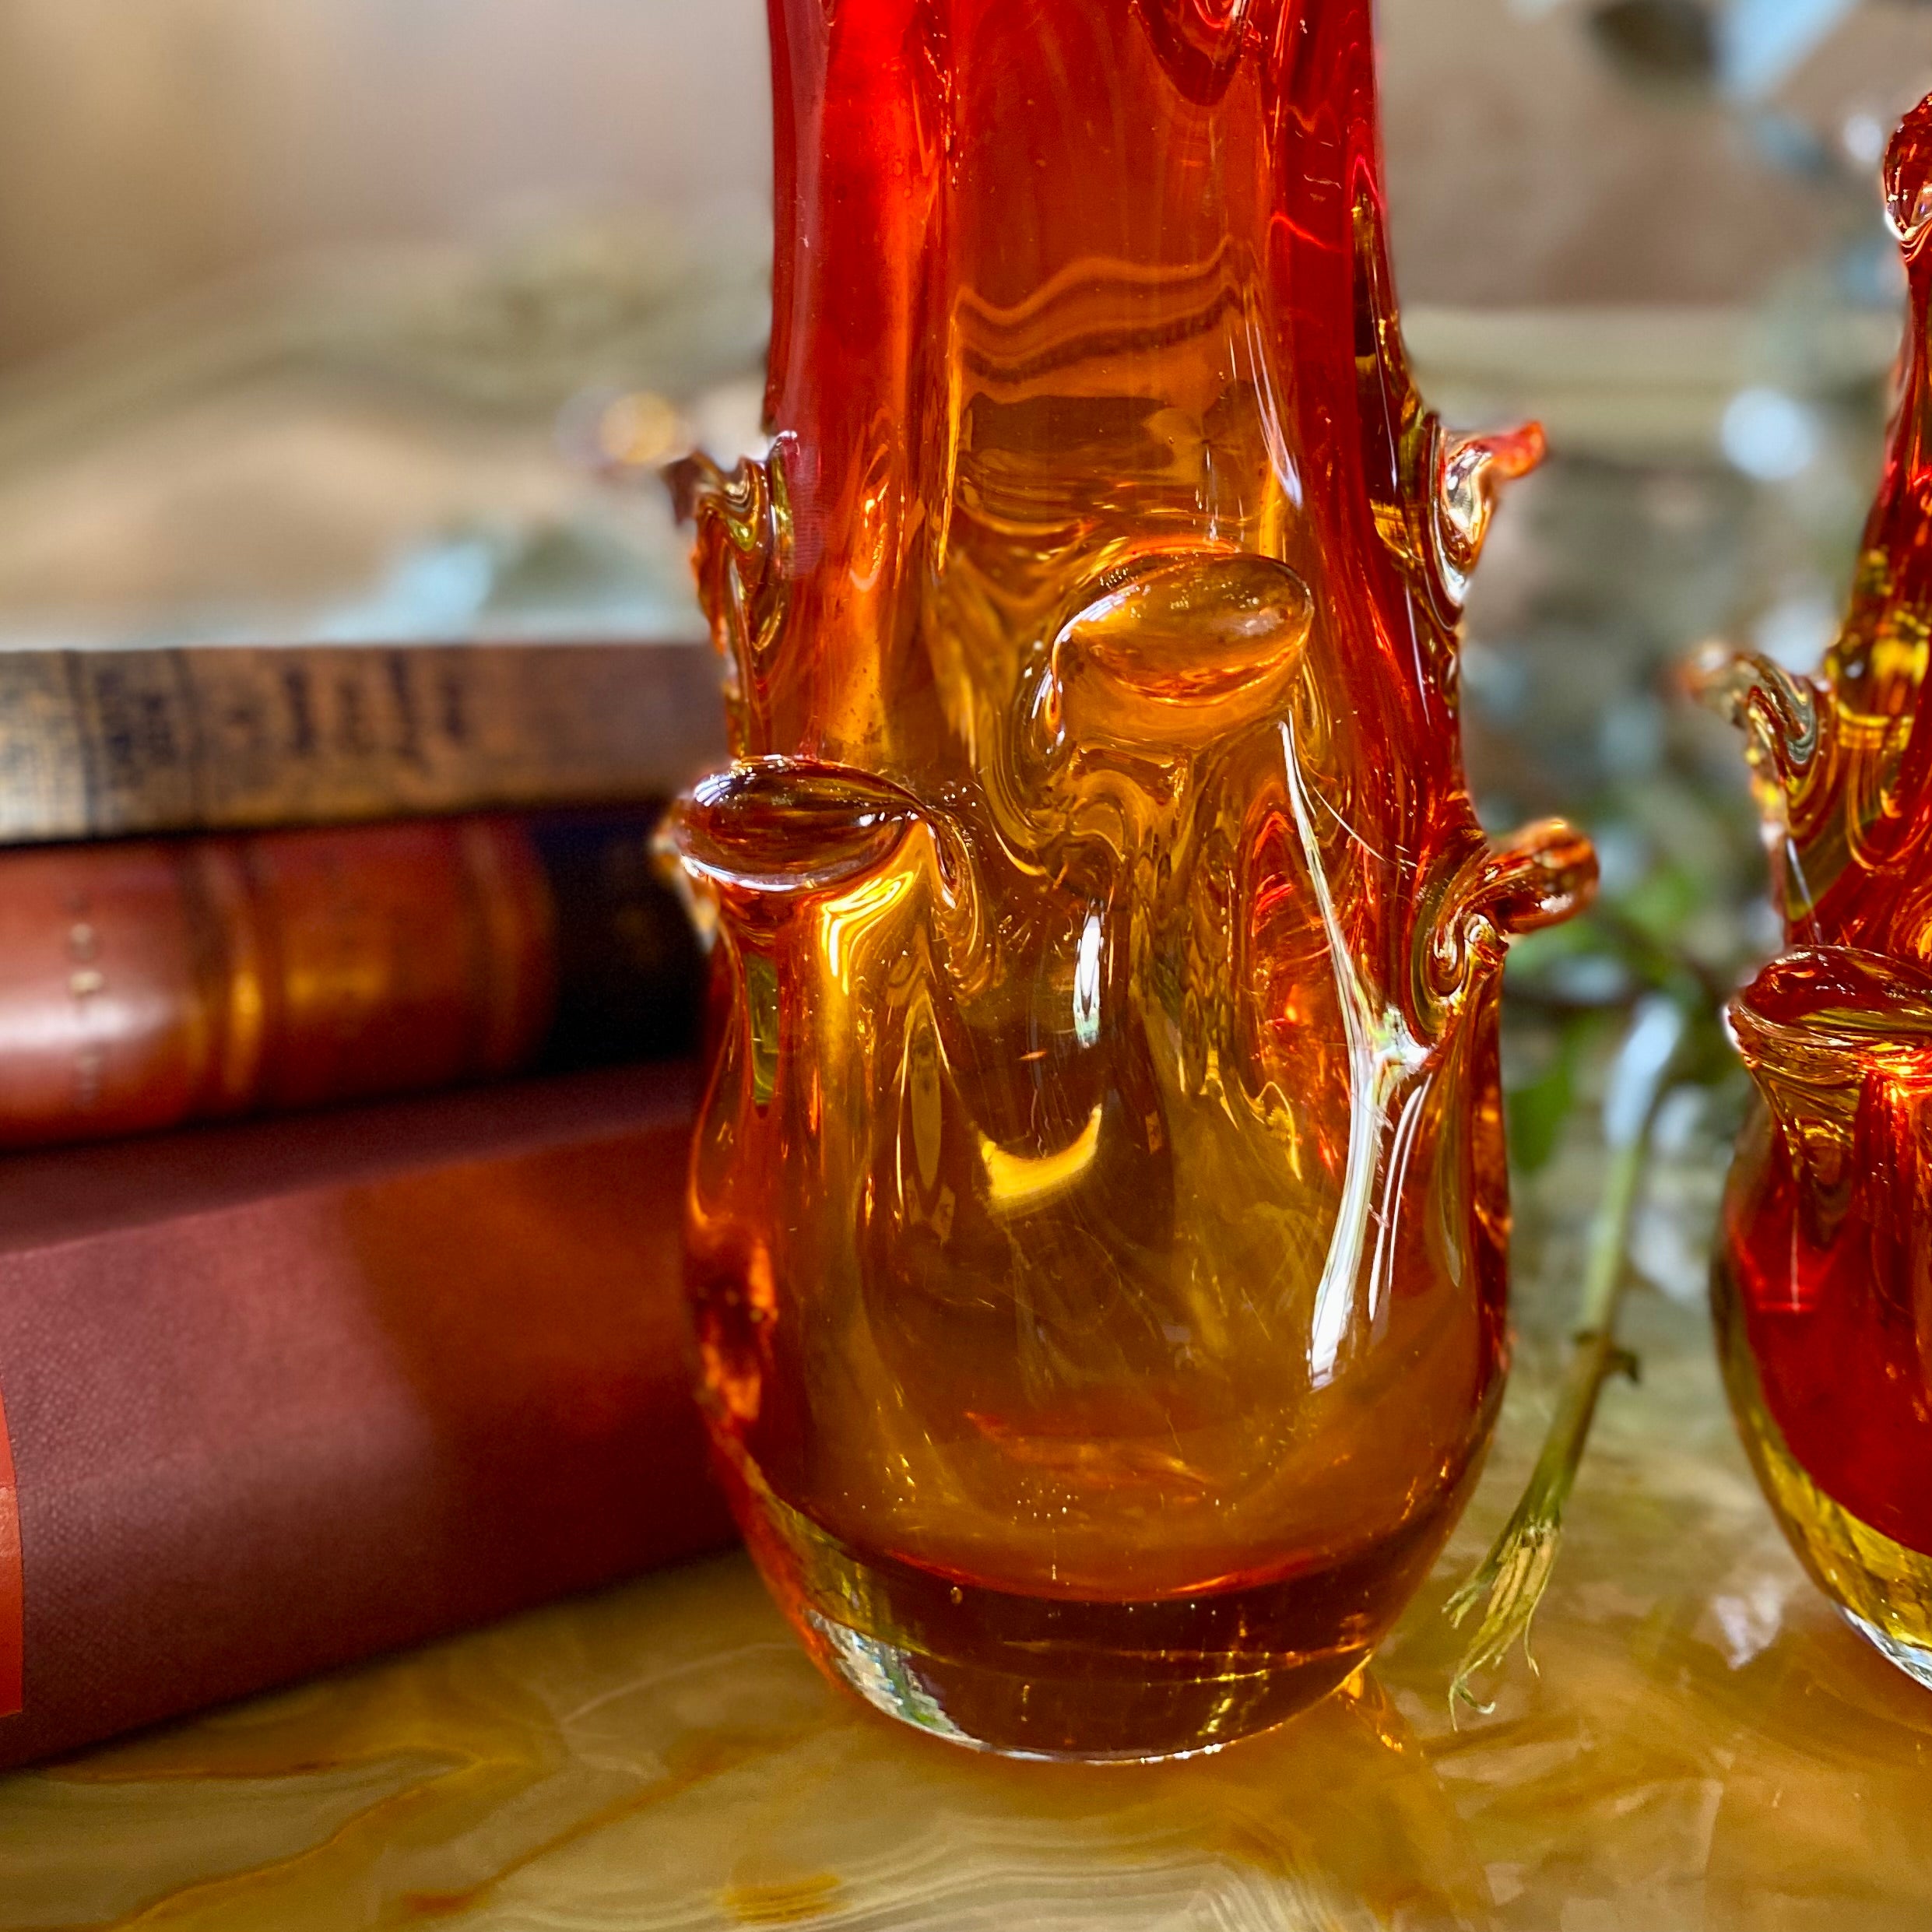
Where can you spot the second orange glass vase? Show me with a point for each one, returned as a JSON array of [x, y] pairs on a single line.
[[1824, 1279], [1098, 1217]]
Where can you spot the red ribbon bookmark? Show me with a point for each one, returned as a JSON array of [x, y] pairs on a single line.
[[12, 1593]]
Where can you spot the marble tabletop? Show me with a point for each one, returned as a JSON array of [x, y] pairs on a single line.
[[1701, 1746]]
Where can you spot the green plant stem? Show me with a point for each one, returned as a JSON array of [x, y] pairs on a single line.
[[1511, 1579]]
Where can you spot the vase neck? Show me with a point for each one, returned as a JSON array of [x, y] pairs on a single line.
[[1855, 817], [1060, 281]]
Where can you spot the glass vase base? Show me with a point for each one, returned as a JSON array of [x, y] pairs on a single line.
[[1914, 1658], [1883, 1589], [1014, 1708], [1066, 1678]]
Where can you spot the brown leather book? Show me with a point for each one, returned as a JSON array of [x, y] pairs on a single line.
[[281, 1395], [159, 981], [224, 738]]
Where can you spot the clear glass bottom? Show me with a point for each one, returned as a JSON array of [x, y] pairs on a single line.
[[1067, 1678], [1914, 1658], [1882, 1588]]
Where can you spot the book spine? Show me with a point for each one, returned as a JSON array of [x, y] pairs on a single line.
[[113, 744], [150, 983], [262, 1438]]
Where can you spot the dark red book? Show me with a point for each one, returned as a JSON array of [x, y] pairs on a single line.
[[284, 1394]]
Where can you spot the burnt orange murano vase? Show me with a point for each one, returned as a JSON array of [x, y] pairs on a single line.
[[1098, 1216], [1824, 1279]]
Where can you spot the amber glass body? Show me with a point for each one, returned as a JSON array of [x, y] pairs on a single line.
[[1098, 1217], [1824, 1280]]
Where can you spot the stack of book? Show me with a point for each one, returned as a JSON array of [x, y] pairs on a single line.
[[357, 1319]]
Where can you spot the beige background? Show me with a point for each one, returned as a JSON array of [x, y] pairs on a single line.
[[149, 148]]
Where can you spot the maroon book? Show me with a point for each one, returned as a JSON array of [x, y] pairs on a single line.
[[281, 1396]]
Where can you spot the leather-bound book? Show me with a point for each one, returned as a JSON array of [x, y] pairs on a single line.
[[283, 1394], [224, 738], [147, 983]]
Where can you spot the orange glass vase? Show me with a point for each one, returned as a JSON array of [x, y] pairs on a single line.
[[1824, 1283], [1097, 1217]]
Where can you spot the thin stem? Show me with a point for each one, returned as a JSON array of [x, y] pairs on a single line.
[[1511, 1579]]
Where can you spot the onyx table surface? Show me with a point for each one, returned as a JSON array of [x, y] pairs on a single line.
[[1700, 1745]]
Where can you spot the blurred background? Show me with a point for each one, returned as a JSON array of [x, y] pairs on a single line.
[[358, 318]]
